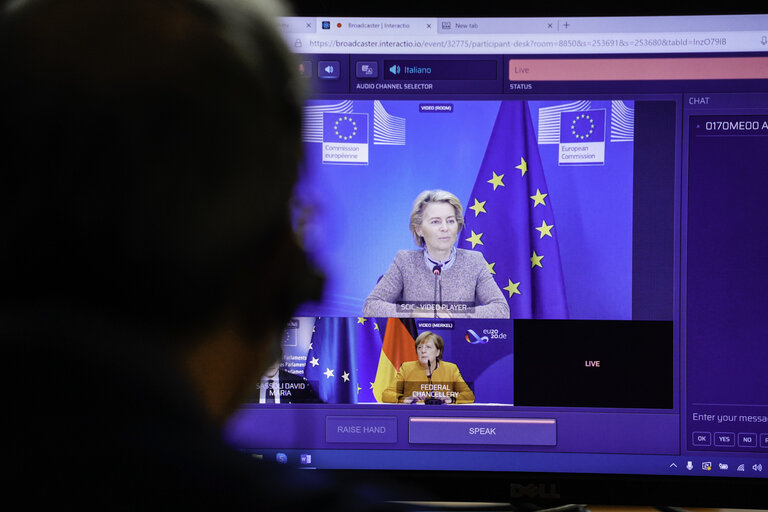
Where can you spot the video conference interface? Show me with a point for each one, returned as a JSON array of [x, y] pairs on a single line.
[[546, 189], [578, 293]]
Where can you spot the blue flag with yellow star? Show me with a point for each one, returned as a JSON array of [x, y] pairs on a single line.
[[342, 359], [509, 219]]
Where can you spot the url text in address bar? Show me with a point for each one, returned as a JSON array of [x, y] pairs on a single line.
[[747, 41]]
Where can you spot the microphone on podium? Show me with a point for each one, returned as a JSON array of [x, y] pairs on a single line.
[[437, 270], [431, 400]]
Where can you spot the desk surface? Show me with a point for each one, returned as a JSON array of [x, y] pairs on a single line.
[[488, 507]]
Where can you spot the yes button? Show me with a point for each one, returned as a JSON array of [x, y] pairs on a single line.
[[725, 439]]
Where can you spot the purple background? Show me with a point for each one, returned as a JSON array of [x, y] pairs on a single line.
[[727, 276]]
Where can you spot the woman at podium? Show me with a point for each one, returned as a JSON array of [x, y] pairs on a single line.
[[437, 280], [429, 379]]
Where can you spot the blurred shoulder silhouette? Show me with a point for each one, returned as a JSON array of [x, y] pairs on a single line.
[[148, 262]]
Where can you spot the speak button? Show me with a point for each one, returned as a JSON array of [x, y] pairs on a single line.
[[506, 431]]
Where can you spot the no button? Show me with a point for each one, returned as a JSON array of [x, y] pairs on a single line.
[[506, 431]]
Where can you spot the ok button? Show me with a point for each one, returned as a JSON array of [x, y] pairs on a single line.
[[702, 439], [508, 431]]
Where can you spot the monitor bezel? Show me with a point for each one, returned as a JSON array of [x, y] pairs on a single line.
[[534, 488]]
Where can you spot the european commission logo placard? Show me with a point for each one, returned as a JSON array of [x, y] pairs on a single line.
[[582, 137], [345, 138]]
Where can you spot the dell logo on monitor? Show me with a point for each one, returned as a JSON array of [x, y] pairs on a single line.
[[546, 491]]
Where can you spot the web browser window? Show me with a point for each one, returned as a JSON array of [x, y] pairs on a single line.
[[544, 247]]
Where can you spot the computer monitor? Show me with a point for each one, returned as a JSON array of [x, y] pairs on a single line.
[[587, 268]]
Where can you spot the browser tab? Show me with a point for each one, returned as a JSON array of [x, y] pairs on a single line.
[[388, 26], [292, 25], [496, 25]]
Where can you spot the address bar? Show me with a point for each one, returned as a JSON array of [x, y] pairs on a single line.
[[691, 42]]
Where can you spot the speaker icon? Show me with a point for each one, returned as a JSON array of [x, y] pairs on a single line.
[[395, 69], [328, 69]]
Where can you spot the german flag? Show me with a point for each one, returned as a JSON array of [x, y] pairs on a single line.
[[396, 349]]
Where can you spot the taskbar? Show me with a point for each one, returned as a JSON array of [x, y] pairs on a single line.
[[714, 465]]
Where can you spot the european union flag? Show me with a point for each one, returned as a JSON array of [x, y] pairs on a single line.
[[342, 359], [509, 219], [345, 128], [582, 126]]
